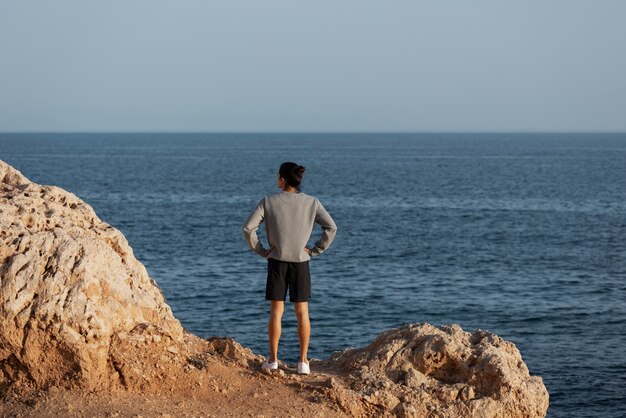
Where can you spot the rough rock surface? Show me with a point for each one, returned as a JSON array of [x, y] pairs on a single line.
[[420, 370], [78, 311], [71, 291]]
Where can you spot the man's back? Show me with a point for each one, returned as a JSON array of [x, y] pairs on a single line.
[[289, 218]]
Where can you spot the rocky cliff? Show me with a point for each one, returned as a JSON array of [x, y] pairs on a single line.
[[79, 311]]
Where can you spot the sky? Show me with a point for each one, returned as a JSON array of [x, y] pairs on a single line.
[[312, 66]]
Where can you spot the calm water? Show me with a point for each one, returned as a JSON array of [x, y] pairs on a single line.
[[522, 235]]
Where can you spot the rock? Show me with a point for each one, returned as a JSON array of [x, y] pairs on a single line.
[[415, 378], [385, 399], [453, 371], [406, 411], [70, 290], [467, 393], [229, 348], [366, 376]]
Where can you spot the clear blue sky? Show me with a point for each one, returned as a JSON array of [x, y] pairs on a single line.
[[351, 65]]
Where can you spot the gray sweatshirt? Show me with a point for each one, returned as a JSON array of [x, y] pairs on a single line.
[[289, 219]]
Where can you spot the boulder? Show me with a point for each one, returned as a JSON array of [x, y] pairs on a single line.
[[444, 371], [71, 291]]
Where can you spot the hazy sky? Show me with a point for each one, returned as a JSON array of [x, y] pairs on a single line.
[[337, 65]]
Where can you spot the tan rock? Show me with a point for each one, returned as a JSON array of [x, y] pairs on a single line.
[[415, 378], [456, 372], [68, 284]]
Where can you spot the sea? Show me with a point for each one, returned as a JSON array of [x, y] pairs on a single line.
[[523, 235]]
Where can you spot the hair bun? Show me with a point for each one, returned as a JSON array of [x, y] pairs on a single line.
[[292, 173]]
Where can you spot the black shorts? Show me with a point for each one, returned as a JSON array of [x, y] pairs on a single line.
[[282, 275]]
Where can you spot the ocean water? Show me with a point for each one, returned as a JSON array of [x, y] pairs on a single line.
[[519, 234]]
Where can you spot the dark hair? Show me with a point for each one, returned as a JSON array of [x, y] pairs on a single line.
[[292, 173]]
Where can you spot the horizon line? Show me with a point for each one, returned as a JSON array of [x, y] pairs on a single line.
[[341, 132]]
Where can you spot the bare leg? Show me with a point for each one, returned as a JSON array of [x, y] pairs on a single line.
[[304, 328], [274, 327]]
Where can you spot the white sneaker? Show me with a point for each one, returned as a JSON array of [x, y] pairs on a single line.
[[303, 368], [270, 365]]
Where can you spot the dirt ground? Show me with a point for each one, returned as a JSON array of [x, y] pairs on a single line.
[[223, 379], [228, 391]]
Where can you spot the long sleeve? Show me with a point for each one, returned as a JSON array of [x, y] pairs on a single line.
[[250, 227], [329, 230]]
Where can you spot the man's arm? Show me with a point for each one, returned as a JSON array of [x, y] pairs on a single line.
[[329, 229], [250, 227]]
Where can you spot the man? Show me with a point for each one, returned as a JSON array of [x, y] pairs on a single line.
[[289, 218]]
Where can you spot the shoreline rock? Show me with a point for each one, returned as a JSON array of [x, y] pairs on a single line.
[[70, 288], [79, 311], [418, 368]]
